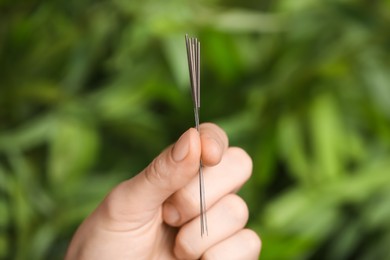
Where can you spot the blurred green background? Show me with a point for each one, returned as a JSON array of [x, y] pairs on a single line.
[[91, 91]]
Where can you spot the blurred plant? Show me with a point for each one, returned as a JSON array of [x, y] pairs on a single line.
[[91, 91]]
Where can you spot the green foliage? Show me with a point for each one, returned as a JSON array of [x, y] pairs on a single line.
[[91, 91]]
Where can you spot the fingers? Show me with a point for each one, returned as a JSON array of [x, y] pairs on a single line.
[[226, 218], [214, 142], [228, 176], [244, 245], [173, 169]]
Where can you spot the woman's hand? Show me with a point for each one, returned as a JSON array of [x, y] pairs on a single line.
[[155, 215]]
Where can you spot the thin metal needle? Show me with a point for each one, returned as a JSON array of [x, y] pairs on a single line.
[[193, 56]]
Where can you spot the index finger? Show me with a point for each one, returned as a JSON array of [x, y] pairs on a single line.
[[214, 142]]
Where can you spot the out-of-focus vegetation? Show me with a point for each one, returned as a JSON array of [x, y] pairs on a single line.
[[91, 91]]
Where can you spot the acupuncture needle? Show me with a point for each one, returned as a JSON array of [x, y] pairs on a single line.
[[193, 56]]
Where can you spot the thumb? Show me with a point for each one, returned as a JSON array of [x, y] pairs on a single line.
[[147, 191]]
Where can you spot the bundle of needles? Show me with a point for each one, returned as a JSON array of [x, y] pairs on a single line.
[[193, 56]]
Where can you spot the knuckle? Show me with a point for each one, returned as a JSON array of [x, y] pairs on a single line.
[[156, 172], [187, 202], [237, 209], [252, 241], [243, 160]]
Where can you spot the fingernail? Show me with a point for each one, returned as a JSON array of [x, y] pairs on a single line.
[[171, 214], [181, 148]]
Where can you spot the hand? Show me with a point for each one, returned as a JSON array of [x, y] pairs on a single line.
[[155, 215]]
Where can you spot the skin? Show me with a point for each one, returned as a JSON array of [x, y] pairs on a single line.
[[155, 215]]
